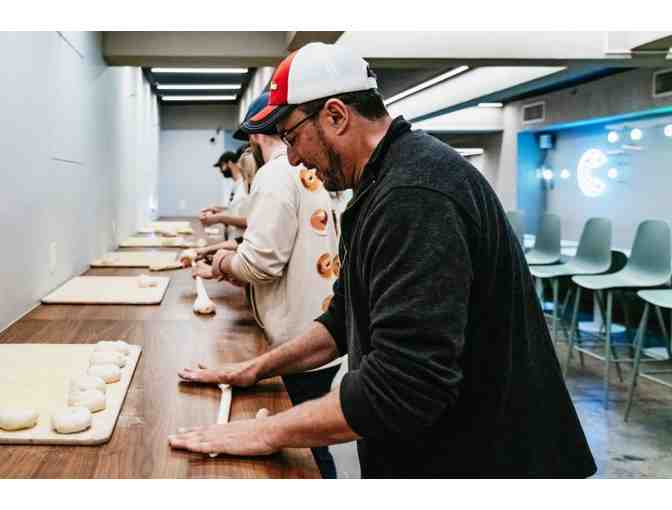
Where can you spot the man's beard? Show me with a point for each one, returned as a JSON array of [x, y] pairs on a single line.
[[332, 178]]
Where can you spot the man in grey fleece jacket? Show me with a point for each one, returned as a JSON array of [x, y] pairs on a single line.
[[452, 370]]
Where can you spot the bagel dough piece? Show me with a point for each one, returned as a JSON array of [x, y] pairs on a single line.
[[17, 419], [93, 400], [108, 373], [71, 419], [263, 413], [108, 358], [112, 345], [87, 382]]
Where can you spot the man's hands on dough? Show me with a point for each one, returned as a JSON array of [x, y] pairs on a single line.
[[242, 374], [243, 437]]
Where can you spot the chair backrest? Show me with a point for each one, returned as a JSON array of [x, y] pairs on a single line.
[[595, 244], [651, 250], [548, 235], [516, 221]]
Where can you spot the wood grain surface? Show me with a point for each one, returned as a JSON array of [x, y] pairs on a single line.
[[157, 404]]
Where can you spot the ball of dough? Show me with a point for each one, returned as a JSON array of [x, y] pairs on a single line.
[[112, 345], [87, 382], [145, 281], [187, 257], [263, 413], [107, 358], [93, 400], [71, 420], [201, 243], [108, 373], [17, 419]]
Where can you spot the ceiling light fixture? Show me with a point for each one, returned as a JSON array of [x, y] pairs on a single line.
[[667, 130], [636, 134], [199, 70], [490, 105], [613, 137], [565, 173], [199, 87], [443, 77], [198, 98]]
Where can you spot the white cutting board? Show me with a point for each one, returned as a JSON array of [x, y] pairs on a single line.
[[136, 259], [156, 242], [108, 290], [158, 226], [37, 376]]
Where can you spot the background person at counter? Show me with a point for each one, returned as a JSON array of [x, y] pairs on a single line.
[[452, 370]]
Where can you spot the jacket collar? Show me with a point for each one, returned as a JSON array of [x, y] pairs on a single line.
[[398, 127]]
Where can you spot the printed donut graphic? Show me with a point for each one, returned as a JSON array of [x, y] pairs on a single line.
[[319, 220], [336, 266], [326, 303], [325, 265], [309, 180]]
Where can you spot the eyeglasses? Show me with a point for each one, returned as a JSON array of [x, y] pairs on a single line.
[[283, 134]]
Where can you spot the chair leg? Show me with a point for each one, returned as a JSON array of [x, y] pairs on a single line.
[[554, 285], [563, 315], [607, 350], [639, 342], [539, 286], [661, 322], [572, 329]]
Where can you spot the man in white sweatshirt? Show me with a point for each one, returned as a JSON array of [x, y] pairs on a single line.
[[289, 256]]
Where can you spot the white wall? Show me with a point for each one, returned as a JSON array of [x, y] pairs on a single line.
[[79, 147], [188, 181]]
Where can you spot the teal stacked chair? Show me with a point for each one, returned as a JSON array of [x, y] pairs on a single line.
[[658, 299], [593, 256], [517, 222], [648, 267], [547, 242]]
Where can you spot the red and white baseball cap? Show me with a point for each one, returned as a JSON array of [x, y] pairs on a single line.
[[315, 71]]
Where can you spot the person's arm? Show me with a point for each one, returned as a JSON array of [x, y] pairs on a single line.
[[212, 219], [310, 350], [417, 268], [314, 423]]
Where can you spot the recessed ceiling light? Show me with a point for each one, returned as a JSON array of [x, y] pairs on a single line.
[[490, 105], [198, 87], [565, 173], [613, 137], [667, 130], [198, 98], [547, 174], [200, 70], [612, 173], [636, 134], [427, 84]]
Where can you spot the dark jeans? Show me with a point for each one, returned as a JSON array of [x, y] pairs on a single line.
[[309, 386]]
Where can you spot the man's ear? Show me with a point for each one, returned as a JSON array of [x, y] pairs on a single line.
[[337, 115]]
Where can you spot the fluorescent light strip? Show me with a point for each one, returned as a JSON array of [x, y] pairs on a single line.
[[199, 70], [490, 105], [198, 87], [427, 84], [198, 98]]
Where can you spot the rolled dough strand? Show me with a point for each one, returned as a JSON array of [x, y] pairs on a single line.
[[224, 408], [203, 304]]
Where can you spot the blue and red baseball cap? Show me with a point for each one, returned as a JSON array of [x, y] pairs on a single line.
[[315, 71], [250, 126]]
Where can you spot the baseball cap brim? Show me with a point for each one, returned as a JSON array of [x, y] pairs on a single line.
[[263, 122]]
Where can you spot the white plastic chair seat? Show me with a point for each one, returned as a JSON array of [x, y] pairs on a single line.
[[626, 278], [571, 268], [659, 297], [536, 257]]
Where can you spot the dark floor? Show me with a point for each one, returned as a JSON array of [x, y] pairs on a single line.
[[641, 448]]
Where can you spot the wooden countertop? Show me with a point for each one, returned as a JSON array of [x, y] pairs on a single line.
[[172, 337]]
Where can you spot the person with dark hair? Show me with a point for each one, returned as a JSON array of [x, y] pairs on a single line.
[[452, 372]]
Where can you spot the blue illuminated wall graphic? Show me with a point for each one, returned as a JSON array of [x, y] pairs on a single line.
[[625, 180]]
